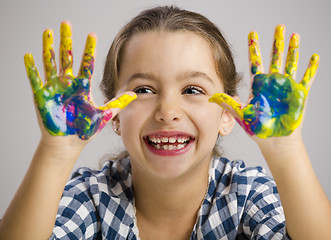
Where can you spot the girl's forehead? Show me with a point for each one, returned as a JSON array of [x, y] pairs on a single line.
[[173, 37], [156, 47]]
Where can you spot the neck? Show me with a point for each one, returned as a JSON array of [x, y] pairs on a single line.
[[169, 199]]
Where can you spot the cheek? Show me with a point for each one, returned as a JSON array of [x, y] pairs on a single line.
[[207, 117], [131, 120], [129, 127], [209, 120]]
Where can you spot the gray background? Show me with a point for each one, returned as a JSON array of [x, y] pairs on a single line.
[[22, 23]]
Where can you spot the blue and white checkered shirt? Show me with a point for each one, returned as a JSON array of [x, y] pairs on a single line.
[[241, 203]]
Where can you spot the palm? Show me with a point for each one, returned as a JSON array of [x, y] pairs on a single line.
[[277, 106], [64, 101], [68, 109], [277, 103]]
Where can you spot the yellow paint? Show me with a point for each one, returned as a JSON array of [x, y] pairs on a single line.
[[32, 72], [66, 49], [311, 71], [48, 54], [277, 50], [254, 53], [121, 102], [48, 42], [87, 66], [91, 43], [228, 103], [292, 56]]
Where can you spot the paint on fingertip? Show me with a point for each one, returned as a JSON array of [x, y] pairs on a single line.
[[122, 101]]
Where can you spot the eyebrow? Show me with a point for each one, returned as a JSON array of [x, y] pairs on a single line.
[[148, 76], [195, 74]]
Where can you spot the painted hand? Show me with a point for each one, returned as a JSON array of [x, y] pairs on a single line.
[[277, 102], [64, 101]]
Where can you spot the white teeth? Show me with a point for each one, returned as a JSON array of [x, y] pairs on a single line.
[[172, 140], [180, 146], [182, 140], [169, 147], [168, 143], [156, 140]]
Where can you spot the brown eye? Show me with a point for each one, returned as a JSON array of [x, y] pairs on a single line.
[[143, 90], [193, 90]]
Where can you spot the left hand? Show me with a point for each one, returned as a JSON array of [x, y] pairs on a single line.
[[277, 102]]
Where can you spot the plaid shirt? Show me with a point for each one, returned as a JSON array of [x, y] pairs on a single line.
[[241, 203]]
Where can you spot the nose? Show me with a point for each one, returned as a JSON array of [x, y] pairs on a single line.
[[168, 110]]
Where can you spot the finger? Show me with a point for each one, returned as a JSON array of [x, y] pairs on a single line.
[[114, 106], [66, 49], [229, 104], [48, 54], [255, 59], [309, 75], [32, 72], [292, 59], [277, 49], [87, 65]]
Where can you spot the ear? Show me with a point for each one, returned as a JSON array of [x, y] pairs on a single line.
[[227, 121], [115, 122]]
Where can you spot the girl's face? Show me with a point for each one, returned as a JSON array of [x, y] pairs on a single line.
[[171, 129]]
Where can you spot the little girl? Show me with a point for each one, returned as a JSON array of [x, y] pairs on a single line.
[[164, 73]]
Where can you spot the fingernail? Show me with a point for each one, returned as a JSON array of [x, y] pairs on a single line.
[[252, 38], [65, 29], [90, 44], [294, 40], [48, 37]]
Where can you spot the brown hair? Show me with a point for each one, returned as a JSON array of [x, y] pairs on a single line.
[[171, 19]]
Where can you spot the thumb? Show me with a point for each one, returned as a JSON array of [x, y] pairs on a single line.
[[229, 104], [115, 105]]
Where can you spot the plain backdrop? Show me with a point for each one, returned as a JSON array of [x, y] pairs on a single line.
[[22, 24]]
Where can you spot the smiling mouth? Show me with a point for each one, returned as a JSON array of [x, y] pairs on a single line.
[[171, 143]]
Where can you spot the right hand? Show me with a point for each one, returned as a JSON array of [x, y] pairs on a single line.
[[64, 101]]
